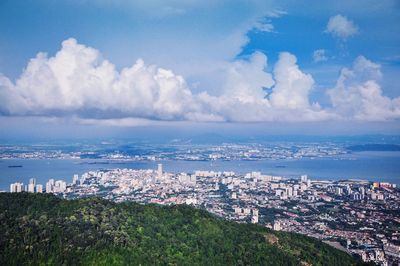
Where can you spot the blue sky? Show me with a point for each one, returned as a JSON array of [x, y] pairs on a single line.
[[289, 64]]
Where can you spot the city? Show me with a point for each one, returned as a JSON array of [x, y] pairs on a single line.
[[173, 132], [359, 217]]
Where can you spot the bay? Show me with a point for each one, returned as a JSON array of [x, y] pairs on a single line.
[[373, 166]]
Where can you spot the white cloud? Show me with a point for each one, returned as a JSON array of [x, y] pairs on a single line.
[[292, 86], [320, 55], [341, 27], [245, 79], [77, 82], [264, 23], [358, 95], [247, 101], [264, 27], [77, 79]]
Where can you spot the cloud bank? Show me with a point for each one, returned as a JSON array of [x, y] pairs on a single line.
[[77, 82]]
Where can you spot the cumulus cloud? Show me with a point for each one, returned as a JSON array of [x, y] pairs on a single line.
[[292, 86], [77, 79], [78, 83], [248, 100], [341, 27], [358, 94], [245, 79], [319, 55]]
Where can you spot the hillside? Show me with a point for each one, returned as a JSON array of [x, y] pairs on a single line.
[[43, 229], [374, 147]]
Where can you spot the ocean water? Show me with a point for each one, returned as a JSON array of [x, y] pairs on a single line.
[[373, 166]]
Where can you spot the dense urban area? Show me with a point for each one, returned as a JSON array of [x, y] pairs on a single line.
[[359, 217]]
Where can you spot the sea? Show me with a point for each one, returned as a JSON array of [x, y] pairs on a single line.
[[372, 166]]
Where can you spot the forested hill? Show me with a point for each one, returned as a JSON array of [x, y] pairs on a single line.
[[43, 229]]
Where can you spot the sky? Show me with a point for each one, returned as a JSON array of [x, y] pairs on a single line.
[[71, 68]]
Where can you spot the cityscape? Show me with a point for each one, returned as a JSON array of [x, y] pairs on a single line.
[[326, 210], [200, 132]]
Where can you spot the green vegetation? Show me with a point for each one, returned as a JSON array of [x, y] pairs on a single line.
[[43, 229]]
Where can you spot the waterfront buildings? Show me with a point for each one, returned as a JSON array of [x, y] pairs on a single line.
[[364, 215]]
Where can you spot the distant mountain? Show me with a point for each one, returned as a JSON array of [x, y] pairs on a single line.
[[374, 147], [41, 229]]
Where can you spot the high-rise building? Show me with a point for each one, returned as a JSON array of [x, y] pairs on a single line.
[[159, 171], [75, 180], [49, 186], [289, 191], [39, 188], [255, 212], [31, 187], [17, 187], [32, 181], [304, 178], [59, 186]]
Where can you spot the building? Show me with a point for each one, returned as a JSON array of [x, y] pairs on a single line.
[[31, 187], [49, 186], [392, 250], [289, 191], [377, 196], [277, 226], [339, 191], [357, 196], [75, 180], [159, 171], [60, 186], [39, 188], [17, 187], [254, 218]]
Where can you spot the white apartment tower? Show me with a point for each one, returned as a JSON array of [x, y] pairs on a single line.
[[39, 188], [49, 186], [75, 179], [159, 171], [31, 187]]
